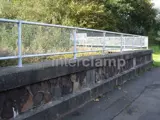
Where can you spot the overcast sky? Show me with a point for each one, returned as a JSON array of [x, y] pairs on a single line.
[[157, 3]]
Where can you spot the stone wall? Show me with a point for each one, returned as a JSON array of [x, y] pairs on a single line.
[[50, 89]]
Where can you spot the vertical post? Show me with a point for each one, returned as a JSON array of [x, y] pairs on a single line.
[[124, 43], [19, 44], [75, 43], [147, 42], [133, 42], [103, 49], [141, 41], [121, 43]]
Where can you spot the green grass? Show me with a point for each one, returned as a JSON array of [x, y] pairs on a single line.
[[156, 58], [156, 55]]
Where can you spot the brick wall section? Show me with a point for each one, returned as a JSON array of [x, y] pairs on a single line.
[[25, 89]]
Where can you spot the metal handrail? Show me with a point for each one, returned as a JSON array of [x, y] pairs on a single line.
[[20, 56]]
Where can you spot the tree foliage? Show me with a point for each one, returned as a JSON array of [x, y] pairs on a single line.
[[130, 16]]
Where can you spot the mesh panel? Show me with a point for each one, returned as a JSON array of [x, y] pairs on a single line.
[[42, 39], [89, 41], [8, 39]]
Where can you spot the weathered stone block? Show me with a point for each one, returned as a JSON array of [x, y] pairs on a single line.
[[66, 85], [50, 87], [91, 77]]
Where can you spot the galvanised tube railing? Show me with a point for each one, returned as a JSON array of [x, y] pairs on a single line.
[[74, 29], [20, 44]]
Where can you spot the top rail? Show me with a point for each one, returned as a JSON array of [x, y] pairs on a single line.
[[63, 26]]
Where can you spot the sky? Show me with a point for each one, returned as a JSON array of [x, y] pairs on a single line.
[[157, 3]]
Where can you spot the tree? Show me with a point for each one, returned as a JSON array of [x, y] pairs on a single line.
[[129, 16], [132, 16]]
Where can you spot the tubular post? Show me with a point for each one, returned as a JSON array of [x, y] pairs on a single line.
[[75, 43], [19, 44], [103, 49], [133, 42], [147, 43], [142, 39], [124, 43], [121, 43]]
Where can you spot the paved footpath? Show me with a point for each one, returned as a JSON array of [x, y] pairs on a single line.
[[138, 99]]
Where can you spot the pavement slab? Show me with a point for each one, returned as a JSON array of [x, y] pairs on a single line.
[[138, 99]]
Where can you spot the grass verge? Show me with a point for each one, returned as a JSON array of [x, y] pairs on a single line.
[[156, 56]]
